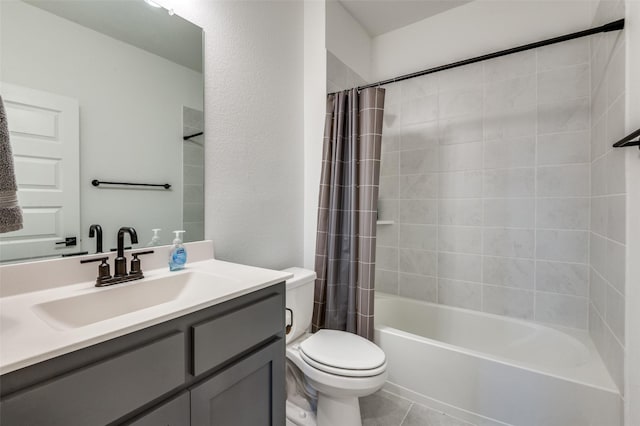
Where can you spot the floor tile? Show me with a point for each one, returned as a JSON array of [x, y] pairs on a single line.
[[383, 409], [422, 416]]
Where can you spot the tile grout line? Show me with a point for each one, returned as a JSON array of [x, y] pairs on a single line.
[[606, 281], [482, 191], [398, 212], [591, 134], [606, 325], [407, 413], [535, 195], [438, 195]]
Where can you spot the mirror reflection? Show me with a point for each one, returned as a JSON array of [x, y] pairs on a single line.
[[109, 91]]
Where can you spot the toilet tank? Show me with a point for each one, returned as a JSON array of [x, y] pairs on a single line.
[[299, 299]]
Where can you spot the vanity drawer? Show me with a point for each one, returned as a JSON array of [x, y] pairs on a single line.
[[119, 385], [221, 338]]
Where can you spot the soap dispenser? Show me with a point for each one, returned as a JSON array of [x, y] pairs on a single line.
[[178, 253], [155, 240]]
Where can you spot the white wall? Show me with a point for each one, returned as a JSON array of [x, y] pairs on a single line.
[[347, 40], [632, 364], [476, 28], [253, 128], [315, 77], [123, 136], [339, 76]]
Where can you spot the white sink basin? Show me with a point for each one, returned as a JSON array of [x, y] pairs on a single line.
[[120, 299]]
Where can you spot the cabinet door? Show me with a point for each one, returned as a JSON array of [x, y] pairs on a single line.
[[172, 413], [250, 392]]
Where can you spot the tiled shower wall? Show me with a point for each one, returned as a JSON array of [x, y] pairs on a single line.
[[486, 173], [607, 273], [193, 175]]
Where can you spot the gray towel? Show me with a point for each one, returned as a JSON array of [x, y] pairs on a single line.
[[10, 212]]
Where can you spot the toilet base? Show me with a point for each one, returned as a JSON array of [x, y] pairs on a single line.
[[297, 416], [338, 411]]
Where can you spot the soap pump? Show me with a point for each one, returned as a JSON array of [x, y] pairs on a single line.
[[155, 240], [178, 254]]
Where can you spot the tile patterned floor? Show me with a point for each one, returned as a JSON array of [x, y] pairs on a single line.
[[386, 409]]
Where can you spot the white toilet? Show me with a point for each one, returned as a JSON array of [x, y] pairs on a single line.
[[339, 366]]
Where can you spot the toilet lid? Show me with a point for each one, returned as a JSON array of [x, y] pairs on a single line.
[[339, 350]]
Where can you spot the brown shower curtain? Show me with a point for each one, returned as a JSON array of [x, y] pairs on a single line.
[[347, 212]]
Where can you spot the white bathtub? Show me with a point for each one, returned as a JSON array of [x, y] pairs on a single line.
[[491, 369]]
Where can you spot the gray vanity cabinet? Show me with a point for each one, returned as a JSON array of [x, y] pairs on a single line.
[[223, 365], [175, 412], [101, 392], [236, 396]]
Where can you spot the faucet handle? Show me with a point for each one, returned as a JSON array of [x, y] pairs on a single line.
[[135, 262], [124, 248], [104, 271], [140, 253]]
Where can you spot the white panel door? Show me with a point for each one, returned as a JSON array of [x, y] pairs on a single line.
[[44, 131]]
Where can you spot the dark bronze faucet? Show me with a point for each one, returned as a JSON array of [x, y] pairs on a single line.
[[120, 263], [96, 230]]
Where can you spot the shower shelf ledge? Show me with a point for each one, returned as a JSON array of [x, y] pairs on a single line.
[[385, 222]]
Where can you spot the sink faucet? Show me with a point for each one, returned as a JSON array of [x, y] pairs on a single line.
[[120, 262], [96, 230]]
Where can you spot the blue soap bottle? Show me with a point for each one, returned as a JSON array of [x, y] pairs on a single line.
[[178, 253]]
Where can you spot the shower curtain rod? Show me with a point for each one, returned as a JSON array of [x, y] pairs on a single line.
[[611, 26]]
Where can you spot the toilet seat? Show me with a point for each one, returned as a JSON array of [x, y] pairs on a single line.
[[341, 371], [343, 354]]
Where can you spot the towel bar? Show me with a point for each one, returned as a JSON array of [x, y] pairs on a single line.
[[97, 182], [627, 140]]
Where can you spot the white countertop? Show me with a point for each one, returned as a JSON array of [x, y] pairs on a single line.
[[26, 338]]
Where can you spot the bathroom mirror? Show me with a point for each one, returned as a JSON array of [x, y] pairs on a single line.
[[101, 90]]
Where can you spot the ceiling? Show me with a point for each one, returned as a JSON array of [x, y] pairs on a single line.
[[381, 16], [136, 23]]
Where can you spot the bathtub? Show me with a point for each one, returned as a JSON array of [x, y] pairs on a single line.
[[493, 370]]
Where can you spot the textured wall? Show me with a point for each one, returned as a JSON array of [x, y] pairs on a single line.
[[253, 128], [315, 77], [485, 171], [608, 198]]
